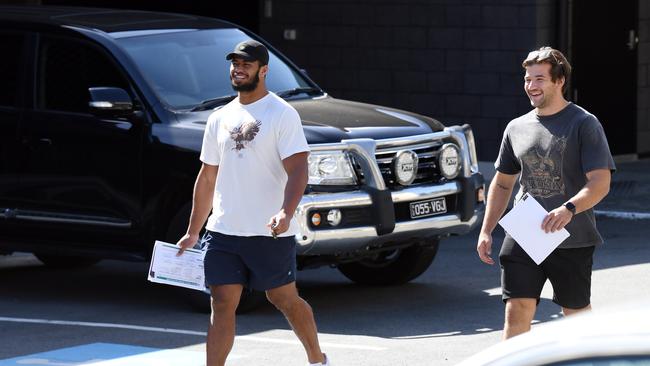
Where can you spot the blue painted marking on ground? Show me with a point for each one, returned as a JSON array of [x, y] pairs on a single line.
[[79, 355]]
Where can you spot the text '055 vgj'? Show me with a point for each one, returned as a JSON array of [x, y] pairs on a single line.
[[102, 124]]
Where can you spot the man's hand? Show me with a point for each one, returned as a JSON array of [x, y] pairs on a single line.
[[187, 241], [279, 223], [597, 187], [557, 219], [484, 248]]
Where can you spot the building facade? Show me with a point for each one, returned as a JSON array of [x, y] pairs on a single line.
[[460, 61]]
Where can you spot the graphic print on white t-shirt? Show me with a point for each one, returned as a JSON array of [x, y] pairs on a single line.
[[244, 134]]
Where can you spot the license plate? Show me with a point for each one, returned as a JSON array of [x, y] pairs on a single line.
[[428, 207]]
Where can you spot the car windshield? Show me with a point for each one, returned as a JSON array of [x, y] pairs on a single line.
[[187, 66]]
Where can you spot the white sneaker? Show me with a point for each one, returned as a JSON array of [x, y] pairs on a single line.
[[326, 363]]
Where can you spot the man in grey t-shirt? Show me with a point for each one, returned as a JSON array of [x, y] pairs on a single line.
[[561, 155]]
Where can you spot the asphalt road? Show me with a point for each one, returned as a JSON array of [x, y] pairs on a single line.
[[109, 314]]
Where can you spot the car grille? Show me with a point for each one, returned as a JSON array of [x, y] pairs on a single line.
[[428, 170]]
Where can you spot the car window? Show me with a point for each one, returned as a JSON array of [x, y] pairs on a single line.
[[10, 67], [67, 68], [188, 66]]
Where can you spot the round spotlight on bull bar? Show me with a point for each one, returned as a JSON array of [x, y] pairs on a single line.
[[449, 161], [405, 167], [334, 217]]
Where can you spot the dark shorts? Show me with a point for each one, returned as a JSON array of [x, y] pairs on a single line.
[[257, 262], [568, 270]]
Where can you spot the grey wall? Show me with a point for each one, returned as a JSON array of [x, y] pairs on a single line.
[[457, 61], [643, 84]]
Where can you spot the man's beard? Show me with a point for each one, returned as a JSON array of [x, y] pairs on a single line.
[[247, 87]]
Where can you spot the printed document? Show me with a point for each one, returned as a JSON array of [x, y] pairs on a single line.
[[185, 270], [524, 224]]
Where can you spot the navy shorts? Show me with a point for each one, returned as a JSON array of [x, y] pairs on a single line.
[[568, 270], [257, 262]]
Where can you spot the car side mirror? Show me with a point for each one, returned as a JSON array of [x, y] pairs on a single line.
[[109, 101]]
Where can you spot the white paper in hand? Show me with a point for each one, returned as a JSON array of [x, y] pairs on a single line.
[[185, 270], [524, 224]]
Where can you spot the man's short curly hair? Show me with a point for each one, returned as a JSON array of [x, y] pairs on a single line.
[[560, 67]]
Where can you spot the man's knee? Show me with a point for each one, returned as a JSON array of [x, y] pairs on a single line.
[[284, 301], [520, 310], [224, 305], [224, 300]]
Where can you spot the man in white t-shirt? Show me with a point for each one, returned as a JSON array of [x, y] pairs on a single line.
[[253, 176]]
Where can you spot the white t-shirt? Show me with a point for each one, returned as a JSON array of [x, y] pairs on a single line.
[[248, 143]]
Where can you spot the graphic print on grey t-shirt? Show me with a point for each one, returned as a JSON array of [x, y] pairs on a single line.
[[542, 169], [243, 134]]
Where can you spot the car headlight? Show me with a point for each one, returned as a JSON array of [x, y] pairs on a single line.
[[331, 168], [449, 161]]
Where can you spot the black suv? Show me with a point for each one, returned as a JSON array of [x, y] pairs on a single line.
[[102, 114]]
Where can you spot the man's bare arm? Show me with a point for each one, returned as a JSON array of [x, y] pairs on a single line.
[[497, 199], [596, 188], [201, 204], [497, 202], [298, 176]]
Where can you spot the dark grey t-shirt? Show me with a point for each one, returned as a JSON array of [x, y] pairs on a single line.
[[553, 154]]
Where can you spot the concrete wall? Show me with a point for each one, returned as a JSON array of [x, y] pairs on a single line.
[[457, 61], [643, 81]]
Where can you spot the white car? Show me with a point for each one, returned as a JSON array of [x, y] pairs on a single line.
[[614, 337]]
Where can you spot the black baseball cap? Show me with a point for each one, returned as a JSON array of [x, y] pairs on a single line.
[[250, 51]]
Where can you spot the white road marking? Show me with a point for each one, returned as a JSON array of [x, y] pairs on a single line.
[[484, 329], [624, 215], [496, 291], [44, 361], [181, 331], [429, 335], [102, 325]]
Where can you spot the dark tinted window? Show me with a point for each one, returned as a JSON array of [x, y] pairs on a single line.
[[186, 67], [67, 68], [12, 46]]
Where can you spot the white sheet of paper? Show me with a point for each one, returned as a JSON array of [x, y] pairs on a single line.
[[524, 224], [185, 270]]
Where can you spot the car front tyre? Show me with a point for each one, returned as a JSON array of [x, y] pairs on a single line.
[[393, 267]]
